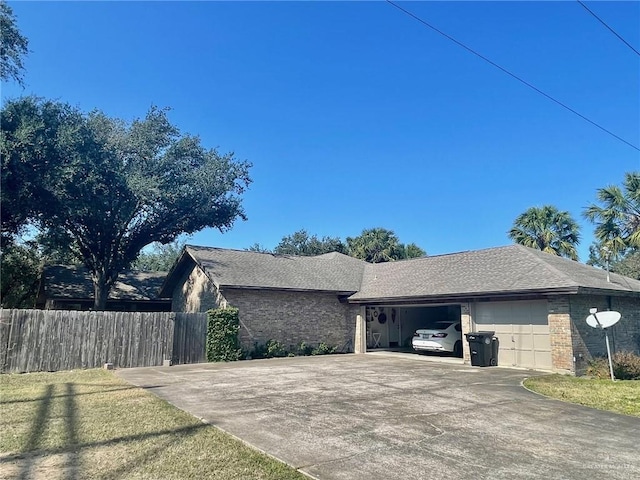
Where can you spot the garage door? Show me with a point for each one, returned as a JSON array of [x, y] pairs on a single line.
[[523, 330]]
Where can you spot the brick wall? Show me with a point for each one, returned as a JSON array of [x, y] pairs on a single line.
[[590, 342], [293, 317], [560, 331]]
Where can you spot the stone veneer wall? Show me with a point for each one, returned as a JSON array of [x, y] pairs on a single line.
[[590, 342], [293, 317]]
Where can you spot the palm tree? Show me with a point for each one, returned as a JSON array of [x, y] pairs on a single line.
[[376, 245], [547, 229], [617, 221]]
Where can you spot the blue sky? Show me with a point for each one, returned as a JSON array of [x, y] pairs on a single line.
[[355, 115]]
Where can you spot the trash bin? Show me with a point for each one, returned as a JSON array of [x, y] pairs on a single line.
[[484, 348]]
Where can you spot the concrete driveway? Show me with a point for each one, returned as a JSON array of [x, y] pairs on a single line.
[[380, 417]]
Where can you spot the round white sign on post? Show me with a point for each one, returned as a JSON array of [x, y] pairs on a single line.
[[603, 319]]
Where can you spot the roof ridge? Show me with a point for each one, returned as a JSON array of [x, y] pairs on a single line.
[[530, 251]]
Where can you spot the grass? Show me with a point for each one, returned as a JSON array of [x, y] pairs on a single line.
[[621, 396], [92, 425]]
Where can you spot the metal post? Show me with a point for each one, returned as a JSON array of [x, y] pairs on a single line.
[[606, 337]]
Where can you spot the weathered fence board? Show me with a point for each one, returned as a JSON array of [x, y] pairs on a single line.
[[52, 340], [189, 338]]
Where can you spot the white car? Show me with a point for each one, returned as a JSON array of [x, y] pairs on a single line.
[[442, 336]]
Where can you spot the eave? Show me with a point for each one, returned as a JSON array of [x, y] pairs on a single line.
[[466, 296]]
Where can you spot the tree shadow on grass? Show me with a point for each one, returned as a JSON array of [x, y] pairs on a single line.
[[74, 451], [75, 394], [38, 426], [32, 451], [71, 426]]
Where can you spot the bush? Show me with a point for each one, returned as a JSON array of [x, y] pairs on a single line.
[[223, 344], [626, 366], [304, 349], [323, 349], [275, 349], [259, 351]]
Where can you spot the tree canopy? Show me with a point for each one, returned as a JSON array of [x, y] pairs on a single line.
[[160, 258], [627, 264], [617, 218], [376, 245], [20, 265], [548, 229], [372, 245], [13, 46], [110, 187], [301, 243]]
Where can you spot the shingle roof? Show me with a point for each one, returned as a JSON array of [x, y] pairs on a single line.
[[332, 272], [74, 282], [512, 269]]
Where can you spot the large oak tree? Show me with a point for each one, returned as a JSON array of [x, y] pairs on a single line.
[[112, 187], [13, 46], [301, 243]]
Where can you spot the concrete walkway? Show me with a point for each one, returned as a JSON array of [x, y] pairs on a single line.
[[380, 416]]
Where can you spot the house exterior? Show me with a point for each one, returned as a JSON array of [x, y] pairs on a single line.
[[536, 303], [69, 287], [288, 298]]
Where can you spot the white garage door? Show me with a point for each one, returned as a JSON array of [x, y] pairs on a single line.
[[523, 330]]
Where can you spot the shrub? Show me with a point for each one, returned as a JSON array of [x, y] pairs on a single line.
[[304, 349], [223, 344], [259, 351], [323, 349], [275, 349], [626, 366]]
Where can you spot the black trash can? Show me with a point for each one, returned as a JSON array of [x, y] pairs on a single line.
[[484, 348]]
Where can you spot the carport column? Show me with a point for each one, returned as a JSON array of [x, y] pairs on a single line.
[[467, 326], [360, 343]]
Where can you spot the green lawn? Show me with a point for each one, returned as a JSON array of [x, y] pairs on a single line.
[[92, 425], [621, 396]]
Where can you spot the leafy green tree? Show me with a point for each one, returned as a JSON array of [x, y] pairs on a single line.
[[627, 264], [113, 187], [376, 245], [256, 247], [31, 135], [301, 243], [547, 229], [20, 266], [13, 46], [617, 218], [160, 258]]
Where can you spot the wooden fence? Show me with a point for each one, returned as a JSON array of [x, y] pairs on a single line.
[[52, 340]]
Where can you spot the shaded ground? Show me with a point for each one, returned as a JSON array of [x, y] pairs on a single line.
[[382, 416]]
